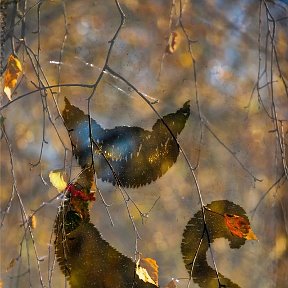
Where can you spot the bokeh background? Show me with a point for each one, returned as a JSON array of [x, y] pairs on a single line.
[[229, 59]]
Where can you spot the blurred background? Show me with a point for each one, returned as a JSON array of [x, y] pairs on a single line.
[[229, 58]]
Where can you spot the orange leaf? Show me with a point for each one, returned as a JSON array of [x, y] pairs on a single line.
[[147, 270], [239, 226], [11, 75]]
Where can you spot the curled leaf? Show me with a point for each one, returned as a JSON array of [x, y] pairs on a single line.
[[57, 179], [147, 270], [11, 75], [239, 226]]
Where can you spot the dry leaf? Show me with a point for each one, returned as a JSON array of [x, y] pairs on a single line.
[[57, 179], [11, 75], [147, 270], [151, 267], [173, 42], [239, 226]]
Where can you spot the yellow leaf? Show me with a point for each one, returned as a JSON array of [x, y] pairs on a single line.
[[32, 221], [251, 235], [57, 179], [151, 266], [11, 75], [147, 270]]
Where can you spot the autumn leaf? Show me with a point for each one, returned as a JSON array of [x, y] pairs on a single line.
[[239, 226], [80, 199], [151, 267], [173, 42], [76, 193], [11, 75], [32, 221], [147, 270], [57, 179]]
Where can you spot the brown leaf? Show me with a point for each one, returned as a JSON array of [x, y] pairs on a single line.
[[11, 75], [147, 270], [239, 226]]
